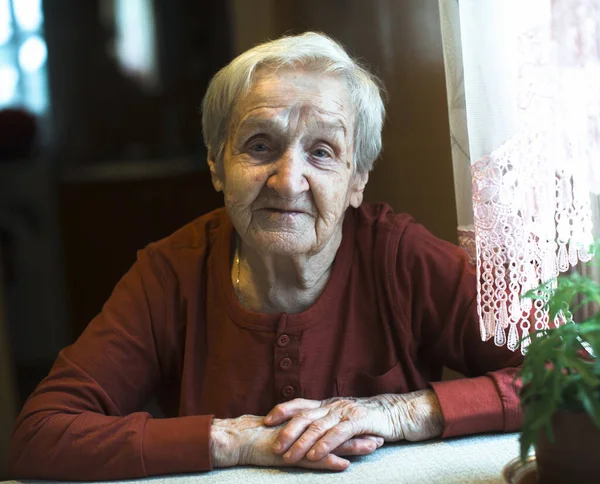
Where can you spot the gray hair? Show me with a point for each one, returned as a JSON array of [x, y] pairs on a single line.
[[312, 50]]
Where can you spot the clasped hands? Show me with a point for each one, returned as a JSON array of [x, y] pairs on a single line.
[[319, 434]]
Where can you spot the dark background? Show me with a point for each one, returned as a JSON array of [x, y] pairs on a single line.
[[115, 160]]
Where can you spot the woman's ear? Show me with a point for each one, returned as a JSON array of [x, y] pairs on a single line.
[[216, 172], [357, 189]]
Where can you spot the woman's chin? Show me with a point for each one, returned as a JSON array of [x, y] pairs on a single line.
[[284, 243]]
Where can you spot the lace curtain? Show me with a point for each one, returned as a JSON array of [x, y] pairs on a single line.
[[523, 83]]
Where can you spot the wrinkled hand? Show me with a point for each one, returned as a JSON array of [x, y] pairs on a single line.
[[316, 428], [247, 441]]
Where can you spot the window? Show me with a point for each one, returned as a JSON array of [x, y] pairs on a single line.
[[23, 53]]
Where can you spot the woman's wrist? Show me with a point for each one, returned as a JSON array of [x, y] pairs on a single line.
[[223, 449], [414, 416]]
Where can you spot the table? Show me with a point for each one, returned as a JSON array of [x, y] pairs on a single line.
[[467, 460]]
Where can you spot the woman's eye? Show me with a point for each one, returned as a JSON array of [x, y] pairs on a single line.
[[259, 147], [321, 153]]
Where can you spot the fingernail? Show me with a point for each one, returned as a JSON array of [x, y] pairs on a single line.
[[311, 454], [287, 455], [277, 447]]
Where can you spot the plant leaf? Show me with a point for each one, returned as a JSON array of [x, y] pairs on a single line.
[[582, 370], [591, 404]]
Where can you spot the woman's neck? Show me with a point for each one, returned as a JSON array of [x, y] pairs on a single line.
[[267, 283]]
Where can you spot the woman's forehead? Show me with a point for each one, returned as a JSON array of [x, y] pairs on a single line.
[[295, 92], [292, 119]]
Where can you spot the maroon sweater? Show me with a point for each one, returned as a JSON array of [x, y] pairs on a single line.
[[399, 305]]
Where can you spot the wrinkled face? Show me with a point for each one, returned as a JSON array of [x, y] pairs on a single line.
[[287, 171]]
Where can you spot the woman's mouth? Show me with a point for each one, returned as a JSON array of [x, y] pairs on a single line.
[[284, 210]]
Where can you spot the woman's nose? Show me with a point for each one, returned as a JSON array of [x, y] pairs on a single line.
[[288, 178]]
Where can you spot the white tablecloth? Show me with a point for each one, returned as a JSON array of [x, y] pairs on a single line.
[[467, 460]]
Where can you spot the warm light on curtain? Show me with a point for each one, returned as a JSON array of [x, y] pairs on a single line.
[[523, 82]]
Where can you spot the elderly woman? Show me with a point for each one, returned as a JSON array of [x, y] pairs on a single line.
[[295, 326]]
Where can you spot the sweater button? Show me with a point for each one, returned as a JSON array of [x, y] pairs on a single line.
[[285, 364], [288, 391], [283, 340]]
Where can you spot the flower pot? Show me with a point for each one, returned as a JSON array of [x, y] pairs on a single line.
[[574, 455]]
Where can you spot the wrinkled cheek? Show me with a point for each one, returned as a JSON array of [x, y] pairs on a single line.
[[234, 199], [327, 222], [238, 207], [331, 202], [240, 188]]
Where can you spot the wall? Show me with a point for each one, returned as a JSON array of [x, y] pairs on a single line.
[[401, 42], [102, 113]]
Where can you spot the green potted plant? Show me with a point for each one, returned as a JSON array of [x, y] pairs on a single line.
[[561, 385]]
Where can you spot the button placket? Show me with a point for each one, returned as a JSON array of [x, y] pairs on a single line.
[[285, 360]]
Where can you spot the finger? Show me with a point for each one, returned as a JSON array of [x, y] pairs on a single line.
[[357, 446], [375, 438], [310, 436], [334, 437], [330, 462], [287, 410], [295, 428]]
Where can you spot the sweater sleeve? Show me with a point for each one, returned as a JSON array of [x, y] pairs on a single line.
[[487, 400], [83, 421], [436, 290]]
